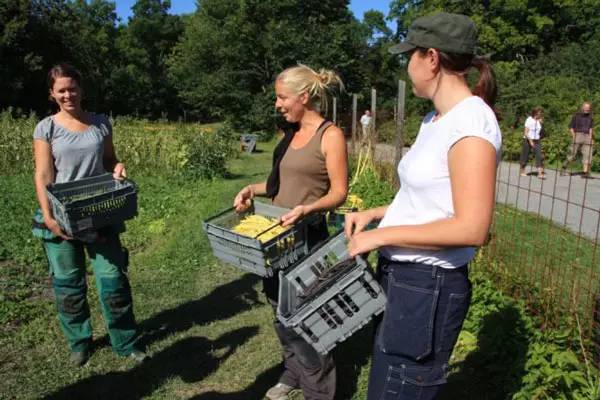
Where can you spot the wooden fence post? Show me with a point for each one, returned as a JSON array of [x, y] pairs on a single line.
[[596, 331], [373, 130], [354, 105], [335, 110], [400, 122]]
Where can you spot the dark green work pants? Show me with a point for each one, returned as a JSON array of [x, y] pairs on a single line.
[[109, 262]]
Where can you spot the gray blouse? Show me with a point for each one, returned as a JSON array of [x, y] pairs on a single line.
[[76, 154]]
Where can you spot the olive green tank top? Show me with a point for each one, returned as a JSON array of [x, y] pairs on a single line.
[[303, 175]]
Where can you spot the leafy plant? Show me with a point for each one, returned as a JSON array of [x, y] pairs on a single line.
[[209, 153]]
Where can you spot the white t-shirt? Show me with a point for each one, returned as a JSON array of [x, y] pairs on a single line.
[[425, 193], [365, 120], [534, 128]]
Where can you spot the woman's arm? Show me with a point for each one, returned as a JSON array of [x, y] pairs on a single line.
[[43, 176], [244, 197], [111, 163], [334, 149], [472, 167]]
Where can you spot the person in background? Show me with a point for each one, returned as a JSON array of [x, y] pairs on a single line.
[[429, 233], [309, 175], [70, 145], [365, 122], [582, 139], [532, 140]]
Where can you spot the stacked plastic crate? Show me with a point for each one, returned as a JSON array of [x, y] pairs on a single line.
[[324, 295], [328, 295]]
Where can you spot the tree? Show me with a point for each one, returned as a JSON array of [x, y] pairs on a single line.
[[38, 34], [512, 29], [226, 61], [138, 81]]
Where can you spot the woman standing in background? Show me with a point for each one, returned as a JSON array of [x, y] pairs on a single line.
[[532, 140]]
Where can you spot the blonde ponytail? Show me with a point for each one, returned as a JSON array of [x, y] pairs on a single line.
[[303, 79]]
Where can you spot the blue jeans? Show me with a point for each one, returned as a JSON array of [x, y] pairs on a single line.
[[425, 310]]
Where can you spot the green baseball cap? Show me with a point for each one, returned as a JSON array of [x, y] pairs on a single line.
[[451, 33]]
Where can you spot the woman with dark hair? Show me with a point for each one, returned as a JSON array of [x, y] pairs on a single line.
[[532, 140], [70, 145], [442, 212]]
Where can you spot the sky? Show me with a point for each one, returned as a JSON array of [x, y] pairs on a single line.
[[358, 7]]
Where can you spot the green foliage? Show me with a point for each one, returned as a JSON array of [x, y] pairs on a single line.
[[142, 145], [386, 132], [15, 142], [512, 29], [209, 152], [138, 80], [231, 51]]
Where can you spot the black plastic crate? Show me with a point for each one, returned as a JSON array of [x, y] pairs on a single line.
[[329, 296], [92, 203], [250, 254]]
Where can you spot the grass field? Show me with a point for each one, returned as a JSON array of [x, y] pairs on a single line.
[[206, 325]]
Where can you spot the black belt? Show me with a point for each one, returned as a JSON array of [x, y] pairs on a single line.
[[422, 266]]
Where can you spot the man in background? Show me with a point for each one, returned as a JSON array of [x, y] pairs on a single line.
[[582, 133], [365, 121]]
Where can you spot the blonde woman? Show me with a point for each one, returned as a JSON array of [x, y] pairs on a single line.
[[309, 175]]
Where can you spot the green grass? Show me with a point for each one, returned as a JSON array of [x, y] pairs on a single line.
[[546, 264], [207, 325]]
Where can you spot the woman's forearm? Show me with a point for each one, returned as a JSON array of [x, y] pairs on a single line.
[[258, 189], [435, 235], [330, 201], [41, 181]]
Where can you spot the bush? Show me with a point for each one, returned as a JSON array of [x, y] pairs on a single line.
[[208, 152]]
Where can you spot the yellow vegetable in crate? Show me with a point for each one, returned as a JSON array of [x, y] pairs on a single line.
[[254, 225], [352, 202]]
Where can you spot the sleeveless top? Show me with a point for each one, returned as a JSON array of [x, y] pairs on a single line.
[[303, 173]]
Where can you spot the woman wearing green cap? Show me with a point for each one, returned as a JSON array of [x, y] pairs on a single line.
[[442, 212]]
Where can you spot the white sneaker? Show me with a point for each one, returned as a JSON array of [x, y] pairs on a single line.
[[279, 392]]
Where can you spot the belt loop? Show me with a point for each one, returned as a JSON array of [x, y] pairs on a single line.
[[434, 269]]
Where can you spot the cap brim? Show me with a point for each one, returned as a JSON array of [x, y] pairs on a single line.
[[401, 48]]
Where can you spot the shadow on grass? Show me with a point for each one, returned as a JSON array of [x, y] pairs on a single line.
[[223, 302], [190, 359], [232, 298], [350, 357], [257, 390], [232, 176], [494, 371]]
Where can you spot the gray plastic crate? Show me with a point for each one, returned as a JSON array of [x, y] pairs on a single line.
[[248, 142], [92, 203], [250, 254], [327, 305], [337, 217]]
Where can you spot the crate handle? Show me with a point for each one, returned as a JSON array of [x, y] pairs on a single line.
[[268, 229]]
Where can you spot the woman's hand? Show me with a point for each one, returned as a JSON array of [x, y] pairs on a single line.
[[363, 242], [356, 222], [243, 200], [294, 215], [119, 172], [53, 227]]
